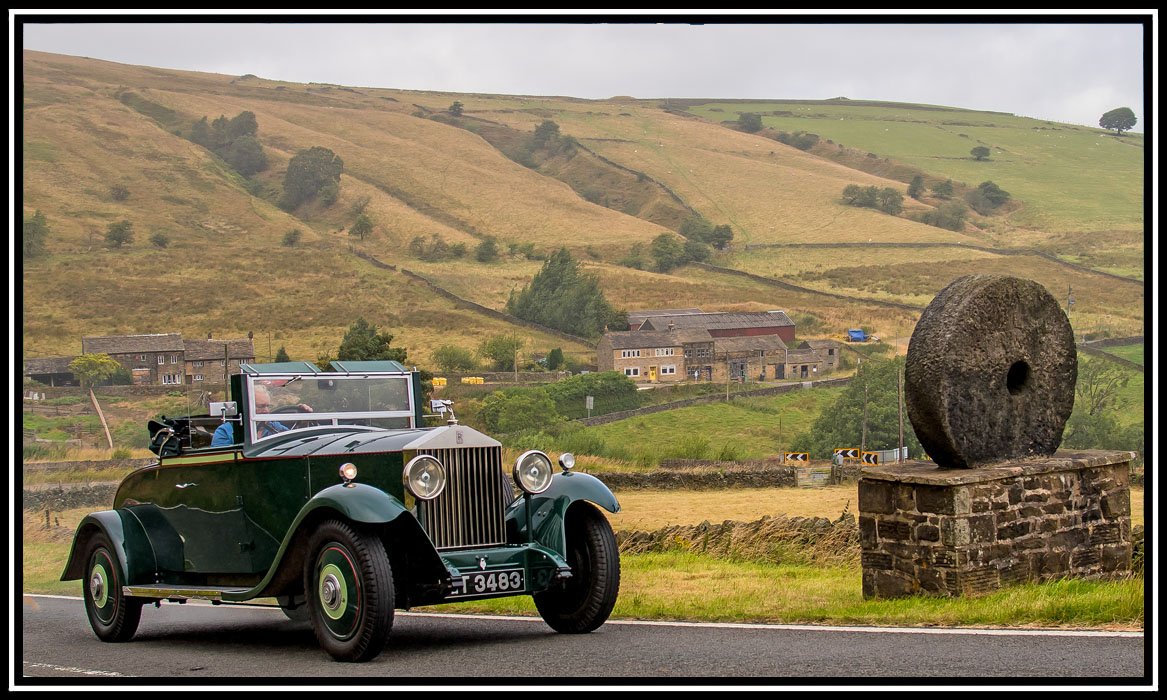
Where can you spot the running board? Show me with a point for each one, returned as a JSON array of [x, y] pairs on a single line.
[[182, 593]]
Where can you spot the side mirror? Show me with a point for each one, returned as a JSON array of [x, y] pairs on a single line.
[[223, 409]]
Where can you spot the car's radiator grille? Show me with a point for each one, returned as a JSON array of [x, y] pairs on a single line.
[[469, 511]]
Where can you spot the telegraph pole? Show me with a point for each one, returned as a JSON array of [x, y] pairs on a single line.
[[863, 440], [900, 408], [727, 376]]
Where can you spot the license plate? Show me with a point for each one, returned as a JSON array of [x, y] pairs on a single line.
[[479, 583]]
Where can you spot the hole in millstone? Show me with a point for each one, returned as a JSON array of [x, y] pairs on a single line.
[[1018, 377]]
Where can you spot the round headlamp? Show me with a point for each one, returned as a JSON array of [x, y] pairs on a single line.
[[348, 471], [425, 477], [567, 461], [533, 471]]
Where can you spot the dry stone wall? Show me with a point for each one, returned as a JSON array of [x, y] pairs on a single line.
[[970, 531]]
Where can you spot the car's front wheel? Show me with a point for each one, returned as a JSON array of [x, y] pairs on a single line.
[[586, 599], [349, 587], [113, 615]]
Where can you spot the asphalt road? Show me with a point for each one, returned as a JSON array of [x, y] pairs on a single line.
[[186, 644]]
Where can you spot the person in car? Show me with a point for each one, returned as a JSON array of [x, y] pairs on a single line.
[[225, 433]]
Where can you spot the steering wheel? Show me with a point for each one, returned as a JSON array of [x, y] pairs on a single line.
[[295, 408]]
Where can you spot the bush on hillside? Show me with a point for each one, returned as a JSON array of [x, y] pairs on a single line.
[[512, 410], [563, 297], [611, 392]]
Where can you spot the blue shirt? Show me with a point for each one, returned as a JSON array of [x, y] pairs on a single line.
[[225, 433]]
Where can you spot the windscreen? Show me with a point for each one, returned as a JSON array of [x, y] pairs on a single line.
[[303, 401]]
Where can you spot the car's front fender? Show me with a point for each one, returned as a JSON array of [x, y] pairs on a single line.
[[359, 503], [548, 510]]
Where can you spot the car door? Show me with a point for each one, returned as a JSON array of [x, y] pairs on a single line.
[[198, 496]]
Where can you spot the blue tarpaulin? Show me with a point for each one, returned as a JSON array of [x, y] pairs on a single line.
[[856, 335]]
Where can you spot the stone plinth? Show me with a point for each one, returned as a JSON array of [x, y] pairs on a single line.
[[957, 532]]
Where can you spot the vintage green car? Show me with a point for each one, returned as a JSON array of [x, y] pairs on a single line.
[[338, 503]]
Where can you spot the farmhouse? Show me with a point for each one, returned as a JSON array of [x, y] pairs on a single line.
[[156, 358], [672, 345], [53, 371], [637, 318], [150, 359], [213, 360], [726, 324], [695, 355], [652, 356]]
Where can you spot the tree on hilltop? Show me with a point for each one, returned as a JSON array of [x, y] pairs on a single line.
[[1121, 119]]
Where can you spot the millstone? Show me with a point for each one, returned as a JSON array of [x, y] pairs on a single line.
[[990, 372]]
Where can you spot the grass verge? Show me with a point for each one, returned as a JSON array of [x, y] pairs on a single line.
[[696, 587]]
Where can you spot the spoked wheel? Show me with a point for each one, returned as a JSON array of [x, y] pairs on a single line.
[[586, 600], [349, 586], [113, 616]]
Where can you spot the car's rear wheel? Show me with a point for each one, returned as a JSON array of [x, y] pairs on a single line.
[[349, 587], [585, 600], [113, 616]]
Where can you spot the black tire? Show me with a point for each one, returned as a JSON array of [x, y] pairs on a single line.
[[586, 600], [349, 587], [113, 616]]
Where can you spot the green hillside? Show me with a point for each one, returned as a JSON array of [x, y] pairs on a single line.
[[619, 174]]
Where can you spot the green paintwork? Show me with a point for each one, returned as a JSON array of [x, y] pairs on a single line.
[[131, 546], [357, 502], [548, 509], [540, 564]]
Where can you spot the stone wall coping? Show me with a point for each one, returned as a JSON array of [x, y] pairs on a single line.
[[929, 473]]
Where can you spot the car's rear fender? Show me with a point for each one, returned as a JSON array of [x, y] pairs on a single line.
[[548, 510], [131, 546]]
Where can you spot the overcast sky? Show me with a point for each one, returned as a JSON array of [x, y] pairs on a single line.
[[1048, 69]]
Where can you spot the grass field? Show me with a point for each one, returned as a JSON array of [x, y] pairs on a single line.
[[892, 275], [1131, 353], [693, 587], [750, 427], [1071, 177]]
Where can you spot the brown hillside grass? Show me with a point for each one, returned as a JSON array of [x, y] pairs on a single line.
[[226, 271]]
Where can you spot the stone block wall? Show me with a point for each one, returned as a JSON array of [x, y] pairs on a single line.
[[958, 532]]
